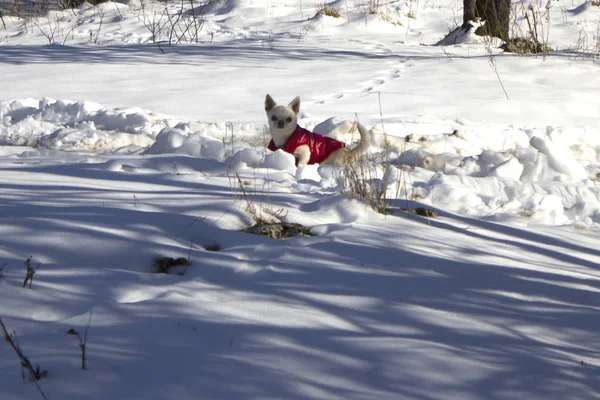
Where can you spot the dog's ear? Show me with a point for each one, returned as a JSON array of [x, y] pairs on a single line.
[[295, 105], [269, 103]]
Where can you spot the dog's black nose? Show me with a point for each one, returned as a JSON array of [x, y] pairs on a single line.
[[281, 124]]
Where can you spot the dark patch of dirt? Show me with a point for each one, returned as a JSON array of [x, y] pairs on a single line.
[[212, 247], [164, 265], [524, 46], [278, 230], [422, 211]]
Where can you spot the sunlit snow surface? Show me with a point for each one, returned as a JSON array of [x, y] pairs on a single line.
[[114, 152]]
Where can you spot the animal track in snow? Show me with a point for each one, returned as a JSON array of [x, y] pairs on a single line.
[[368, 86], [377, 82], [387, 77]]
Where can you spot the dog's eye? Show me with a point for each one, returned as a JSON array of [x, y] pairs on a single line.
[[273, 118], [289, 119]]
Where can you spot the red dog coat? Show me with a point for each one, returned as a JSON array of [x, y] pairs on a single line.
[[320, 146]]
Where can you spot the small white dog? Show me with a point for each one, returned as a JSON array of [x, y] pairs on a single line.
[[306, 146]]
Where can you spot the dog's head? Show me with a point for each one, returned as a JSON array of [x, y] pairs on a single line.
[[282, 119]]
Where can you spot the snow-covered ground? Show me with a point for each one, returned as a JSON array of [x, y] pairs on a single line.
[[117, 148]]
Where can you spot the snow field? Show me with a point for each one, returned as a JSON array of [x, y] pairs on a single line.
[[114, 152]]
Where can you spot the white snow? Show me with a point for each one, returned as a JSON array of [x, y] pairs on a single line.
[[116, 150]]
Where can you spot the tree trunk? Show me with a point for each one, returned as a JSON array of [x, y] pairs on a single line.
[[468, 11], [495, 13]]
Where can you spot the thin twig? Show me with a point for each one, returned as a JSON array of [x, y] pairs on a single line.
[[29, 272], [85, 338], [68, 33], [492, 63], [380, 111], [99, 27], [486, 215], [49, 36], [82, 341], [34, 373]]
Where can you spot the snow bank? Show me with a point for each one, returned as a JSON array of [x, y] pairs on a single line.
[[71, 125], [87, 126], [542, 175], [176, 141]]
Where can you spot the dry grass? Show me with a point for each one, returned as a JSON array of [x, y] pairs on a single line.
[[366, 180], [326, 9]]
